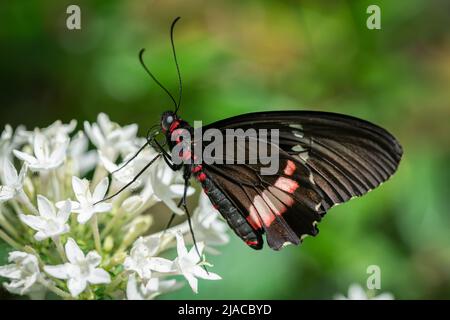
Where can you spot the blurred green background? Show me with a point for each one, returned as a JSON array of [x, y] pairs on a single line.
[[241, 56]]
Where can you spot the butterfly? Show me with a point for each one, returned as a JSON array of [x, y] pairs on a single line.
[[324, 159]]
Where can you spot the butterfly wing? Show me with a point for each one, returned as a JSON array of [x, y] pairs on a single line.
[[347, 156], [324, 159]]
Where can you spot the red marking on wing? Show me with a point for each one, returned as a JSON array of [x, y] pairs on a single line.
[[251, 243], [264, 209], [202, 177], [275, 205], [286, 184], [282, 196], [290, 168], [253, 218]]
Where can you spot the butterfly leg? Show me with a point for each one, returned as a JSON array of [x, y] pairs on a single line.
[[188, 215], [167, 158]]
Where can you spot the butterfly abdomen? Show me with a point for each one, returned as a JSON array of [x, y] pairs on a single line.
[[229, 211]]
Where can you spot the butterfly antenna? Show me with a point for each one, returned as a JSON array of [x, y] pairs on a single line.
[[132, 158], [141, 53], [176, 64]]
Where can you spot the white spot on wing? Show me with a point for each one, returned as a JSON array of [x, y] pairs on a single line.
[[296, 126]]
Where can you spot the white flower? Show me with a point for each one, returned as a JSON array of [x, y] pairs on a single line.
[[356, 292], [57, 132], [13, 182], [23, 272], [109, 137], [162, 185], [163, 182], [9, 141], [126, 174], [83, 160], [44, 158], [207, 223], [188, 263], [87, 205], [80, 270], [151, 289], [142, 259], [48, 224]]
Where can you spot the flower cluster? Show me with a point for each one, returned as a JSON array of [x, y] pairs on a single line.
[[65, 240], [357, 292]]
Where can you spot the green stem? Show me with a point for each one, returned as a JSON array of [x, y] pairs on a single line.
[[50, 286], [116, 282], [56, 190], [112, 223], [5, 237], [59, 248], [24, 199], [7, 226], [96, 233]]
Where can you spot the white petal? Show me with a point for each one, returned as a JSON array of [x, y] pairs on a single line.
[[10, 271], [6, 193], [199, 272], [64, 212], [23, 173], [34, 222], [100, 189], [103, 207], [79, 187], [76, 286], [356, 292], [41, 235], [104, 122], [108, 164], [171, 204], [9, 173], [133, 292], [168, 285], [25, 157], [93, 258], [97, 136], [193, 255], [73, 204], [45, 208], [98, 276], [59, 271], [160, 264], [193, 282], [129, 132], [40, 146], [73, 251], [181, 247], [85, 215], [177, 190], [59, 154]]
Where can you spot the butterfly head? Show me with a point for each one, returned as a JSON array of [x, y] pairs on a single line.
[[168, 121]]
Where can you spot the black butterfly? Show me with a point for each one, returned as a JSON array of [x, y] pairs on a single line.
[[325, 159]]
